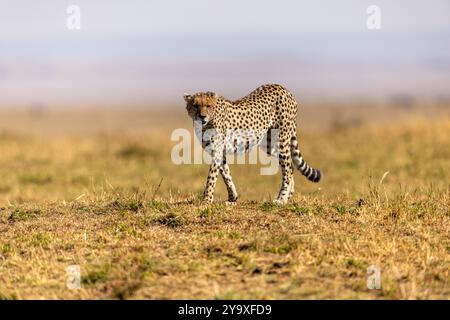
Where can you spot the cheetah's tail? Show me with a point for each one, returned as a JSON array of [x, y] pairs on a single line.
[[314, 175]]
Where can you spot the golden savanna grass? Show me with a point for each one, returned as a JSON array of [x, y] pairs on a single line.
[[96, 188]]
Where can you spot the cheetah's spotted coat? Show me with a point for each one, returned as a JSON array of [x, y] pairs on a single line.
[[270, 107]]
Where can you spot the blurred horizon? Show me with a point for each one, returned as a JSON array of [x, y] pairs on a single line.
[[151, 52]]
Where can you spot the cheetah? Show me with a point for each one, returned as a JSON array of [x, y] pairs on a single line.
[[270, 107]]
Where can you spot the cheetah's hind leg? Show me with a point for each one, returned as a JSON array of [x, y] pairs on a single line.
[[287, 175]]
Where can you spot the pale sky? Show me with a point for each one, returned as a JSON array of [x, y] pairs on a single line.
[[31, 18], [147, 50]]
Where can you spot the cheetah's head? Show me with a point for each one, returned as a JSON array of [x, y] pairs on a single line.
[[200, 106]]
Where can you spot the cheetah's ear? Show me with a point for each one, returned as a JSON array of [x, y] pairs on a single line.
[[187, 97]]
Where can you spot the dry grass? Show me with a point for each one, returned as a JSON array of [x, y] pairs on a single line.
[[113, 203]]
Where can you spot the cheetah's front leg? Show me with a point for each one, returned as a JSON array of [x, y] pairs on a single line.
[[225, 172], [217, 158], [208, 194]]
